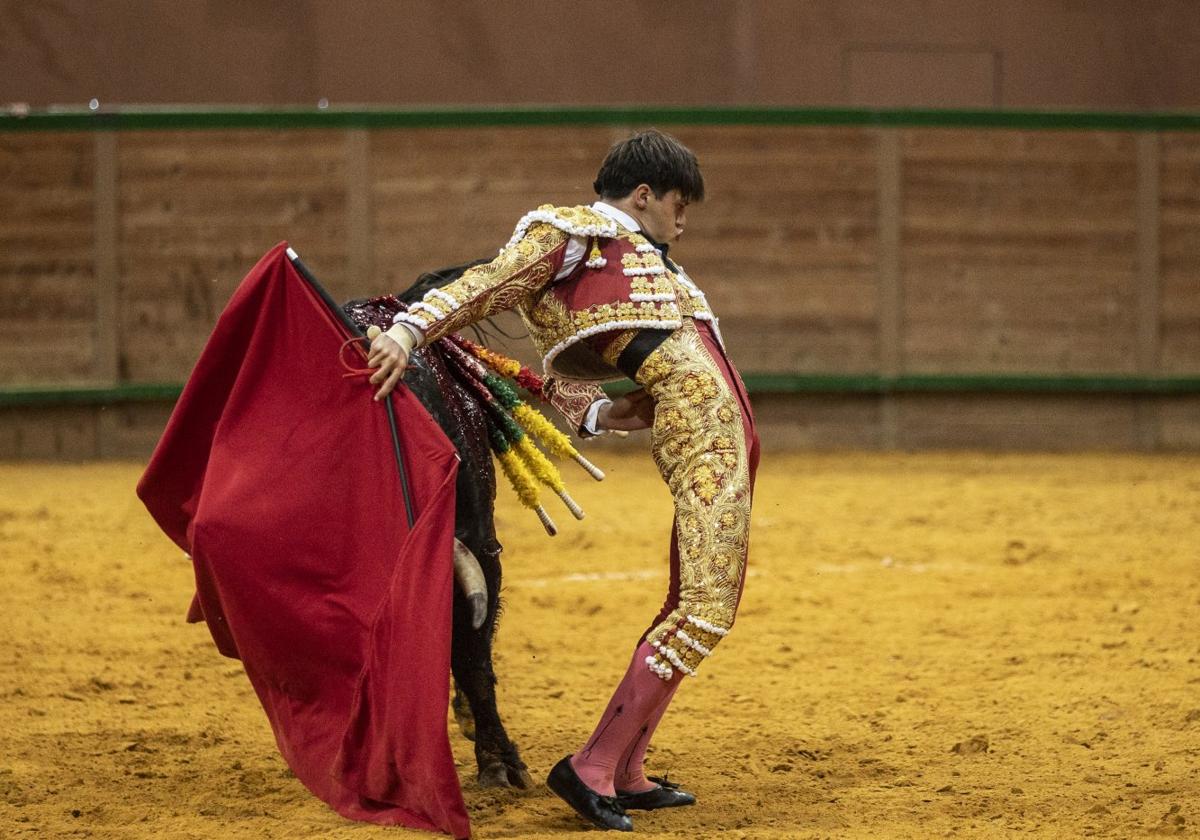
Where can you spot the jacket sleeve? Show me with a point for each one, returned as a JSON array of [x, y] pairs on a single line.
[[521, 269], [572, 400]]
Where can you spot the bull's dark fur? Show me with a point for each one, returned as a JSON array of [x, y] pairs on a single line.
[[460, 417]]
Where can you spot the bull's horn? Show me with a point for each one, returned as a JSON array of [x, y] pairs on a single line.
[[470, 580]]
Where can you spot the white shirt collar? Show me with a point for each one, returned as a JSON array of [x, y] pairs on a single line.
[[617, 215]]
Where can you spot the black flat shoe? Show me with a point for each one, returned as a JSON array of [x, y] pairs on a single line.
[[666, 795], [600, 811]]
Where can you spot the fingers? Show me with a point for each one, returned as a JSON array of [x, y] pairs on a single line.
[[383, 348], [630, 422], [390, 358], [383, 373], [645, 413], [389, 383], [629, 412], [617, 410]]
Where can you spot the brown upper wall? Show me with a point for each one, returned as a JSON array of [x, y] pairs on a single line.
[[1090, 54]]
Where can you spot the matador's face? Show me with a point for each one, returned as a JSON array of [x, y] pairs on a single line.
[[663, 218]]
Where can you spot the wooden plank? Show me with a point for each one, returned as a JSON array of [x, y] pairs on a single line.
[[197, 210], [1148, 210], [1020, 251], [890, 291], [890, 314], [47, 258], [818, 422], [1148, 174], [1179, 424], [1179, 239], [1004, 422], [132, 431], [54, 433], [106, 348], [358, 208]]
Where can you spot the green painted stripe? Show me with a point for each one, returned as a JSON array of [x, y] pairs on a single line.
[[90, 395], [758, 383], [181, 118], [788, 383]]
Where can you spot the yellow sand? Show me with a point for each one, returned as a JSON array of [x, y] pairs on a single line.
[[930, 645]]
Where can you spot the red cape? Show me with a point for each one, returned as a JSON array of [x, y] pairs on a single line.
[[277, 476]]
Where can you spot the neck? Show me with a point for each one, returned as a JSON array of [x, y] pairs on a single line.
[[627, 205]]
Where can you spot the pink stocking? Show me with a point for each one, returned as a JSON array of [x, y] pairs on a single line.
[[636, 705], [630, 776]]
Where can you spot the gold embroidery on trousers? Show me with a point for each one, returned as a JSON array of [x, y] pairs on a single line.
[[699, 447]]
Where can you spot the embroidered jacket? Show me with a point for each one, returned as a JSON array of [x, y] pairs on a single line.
[[623, 285]]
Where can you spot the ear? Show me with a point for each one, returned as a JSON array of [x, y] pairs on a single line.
[[641, 196]]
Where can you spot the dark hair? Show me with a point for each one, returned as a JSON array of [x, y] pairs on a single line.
[[653, 158]]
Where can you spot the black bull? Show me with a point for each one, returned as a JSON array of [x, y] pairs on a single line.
[[464, 422]]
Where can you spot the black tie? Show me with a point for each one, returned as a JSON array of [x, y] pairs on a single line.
[[662, 249]]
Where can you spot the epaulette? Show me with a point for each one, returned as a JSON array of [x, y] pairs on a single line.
[[577, 221]]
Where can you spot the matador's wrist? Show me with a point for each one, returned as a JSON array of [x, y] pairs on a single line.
[[406, 336], [591, 421]]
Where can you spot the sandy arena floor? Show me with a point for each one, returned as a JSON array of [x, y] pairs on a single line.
[[930, 645]]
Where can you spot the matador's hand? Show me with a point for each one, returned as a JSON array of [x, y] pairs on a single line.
[[628, 413], [389, 352]]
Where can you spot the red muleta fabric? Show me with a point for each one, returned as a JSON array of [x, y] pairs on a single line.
[[277, 475]]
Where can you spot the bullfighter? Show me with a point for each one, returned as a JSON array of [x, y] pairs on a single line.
[[603, 301]]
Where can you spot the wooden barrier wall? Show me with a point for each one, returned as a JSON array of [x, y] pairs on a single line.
[[826, 250]]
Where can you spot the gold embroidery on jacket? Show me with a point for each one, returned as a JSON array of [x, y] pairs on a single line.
[[576, 221], [521, 277], [652, 284], [519, 271], [571, 399], [616, 347], [623, 311], [650, 263]]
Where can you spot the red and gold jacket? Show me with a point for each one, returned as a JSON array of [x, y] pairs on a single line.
[[623, 285]]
